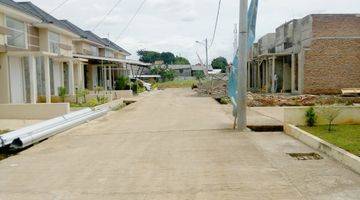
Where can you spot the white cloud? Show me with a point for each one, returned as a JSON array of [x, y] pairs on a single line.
[[175, 25]]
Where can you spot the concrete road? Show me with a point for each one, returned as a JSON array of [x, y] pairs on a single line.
[[171, 145]]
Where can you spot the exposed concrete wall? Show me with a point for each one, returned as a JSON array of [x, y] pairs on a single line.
[[33, 111], [266, 43], [296, 115], [331, 65], [4, 79]]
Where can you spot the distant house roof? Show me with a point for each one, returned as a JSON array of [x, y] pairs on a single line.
[[75, 29], [44, 16], [177, 67], [197, 68], [115, 46], [14, 5], [83, 34], [93, 37]]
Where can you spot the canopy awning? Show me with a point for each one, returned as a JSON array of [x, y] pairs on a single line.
[[125, 61]]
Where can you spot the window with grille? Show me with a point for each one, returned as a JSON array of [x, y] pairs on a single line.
[[54, 42], [17, 35]]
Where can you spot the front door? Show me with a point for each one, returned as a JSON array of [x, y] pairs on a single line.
[[16, 80]]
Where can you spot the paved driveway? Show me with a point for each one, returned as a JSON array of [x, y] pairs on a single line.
[[171, 145]]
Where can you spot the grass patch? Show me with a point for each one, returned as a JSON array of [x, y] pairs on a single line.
[[177, 84], [4, 131], [346, 137]]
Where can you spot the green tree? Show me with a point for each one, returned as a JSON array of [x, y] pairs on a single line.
[[181, 61], [166, 73], [167, 57], [220, 63], [149, 56]]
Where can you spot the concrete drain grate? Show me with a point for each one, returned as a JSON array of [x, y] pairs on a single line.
[[306, 156]]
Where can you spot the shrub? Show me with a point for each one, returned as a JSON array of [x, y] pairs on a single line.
[[62, 93], [330, 113], [81, 94], [199, 75], [311, 117], [166, 73], [93, 103], [122, 83]]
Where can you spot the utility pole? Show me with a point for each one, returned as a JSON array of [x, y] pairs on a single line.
[[206, 52], [242, 67]]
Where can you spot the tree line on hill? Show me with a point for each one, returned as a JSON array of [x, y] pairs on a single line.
[[170, 59]]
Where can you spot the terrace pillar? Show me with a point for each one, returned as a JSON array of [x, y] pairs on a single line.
[[47, 79], [267, 75], [80, 77], [110, 78], [273, 89], [293, 74], [105, 77], [259, 76], [33, 80], [71, 78]]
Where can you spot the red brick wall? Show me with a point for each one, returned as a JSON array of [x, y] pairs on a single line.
[[332, 64], [336, 25]]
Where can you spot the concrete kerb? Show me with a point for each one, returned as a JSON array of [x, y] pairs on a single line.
[[342, 156]]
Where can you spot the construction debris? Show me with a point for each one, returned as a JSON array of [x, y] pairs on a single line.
[[218, 90]]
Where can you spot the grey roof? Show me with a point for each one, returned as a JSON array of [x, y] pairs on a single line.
[[15, 5], [93, 37], [115, 46], [73, 28], [177, 67], [44, 16], [83, 34]]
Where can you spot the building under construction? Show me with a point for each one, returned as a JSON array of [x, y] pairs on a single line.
[[318, 54]]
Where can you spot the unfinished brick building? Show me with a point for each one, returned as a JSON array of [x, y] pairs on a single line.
[[318, 54]]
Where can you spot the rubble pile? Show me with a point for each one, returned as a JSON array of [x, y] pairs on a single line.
[[216, 89], [259, 100], [219, 91]]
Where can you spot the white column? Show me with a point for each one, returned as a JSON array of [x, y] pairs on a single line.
[[33, 80], [62, 74], [110, 78], [47, 79], [71, 78], [105, 77], [273, 89], [80, 79]]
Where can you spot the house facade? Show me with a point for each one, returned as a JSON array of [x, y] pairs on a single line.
[[39, 54], [318, 54]]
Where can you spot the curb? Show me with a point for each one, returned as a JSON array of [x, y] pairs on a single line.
[[342, 156]]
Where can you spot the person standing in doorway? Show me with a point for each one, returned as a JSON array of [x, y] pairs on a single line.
[[276, 80]]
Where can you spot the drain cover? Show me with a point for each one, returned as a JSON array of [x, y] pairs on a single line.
[[306, 156]]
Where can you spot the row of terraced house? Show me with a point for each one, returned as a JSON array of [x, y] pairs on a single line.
[[39, 54], [318, 54]]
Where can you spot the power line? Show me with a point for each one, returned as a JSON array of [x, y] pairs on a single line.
[[107, 14], [57, 7], [216, 24], [131, 20]]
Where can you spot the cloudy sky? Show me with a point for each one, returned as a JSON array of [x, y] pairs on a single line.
[[175, 25]]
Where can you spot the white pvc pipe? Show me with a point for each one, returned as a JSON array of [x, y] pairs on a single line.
[[30, 135]]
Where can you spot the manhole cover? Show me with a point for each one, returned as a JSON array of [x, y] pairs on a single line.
[[306, 156]]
